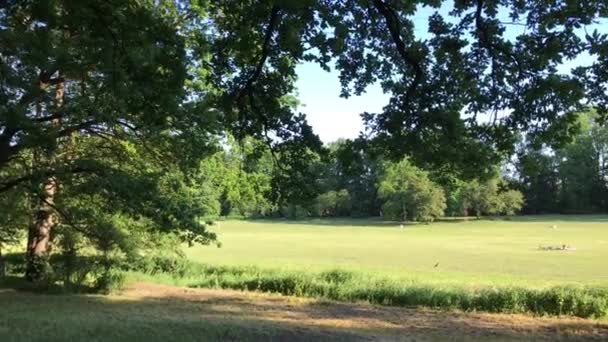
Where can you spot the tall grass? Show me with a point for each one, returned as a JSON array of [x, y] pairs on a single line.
[[341, 285]]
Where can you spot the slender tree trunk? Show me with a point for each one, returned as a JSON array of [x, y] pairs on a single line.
[[44, 217]]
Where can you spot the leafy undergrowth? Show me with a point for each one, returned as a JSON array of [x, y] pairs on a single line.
[[580, 301]]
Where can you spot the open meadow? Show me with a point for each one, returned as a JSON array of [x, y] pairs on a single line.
[[347, 268], [474, 252]]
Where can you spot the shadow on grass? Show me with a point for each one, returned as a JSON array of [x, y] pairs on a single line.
[[11, 282], [18, 283], [160, 313]]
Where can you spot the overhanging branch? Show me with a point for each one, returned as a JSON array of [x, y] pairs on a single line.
[[6, 186], [394, 26]]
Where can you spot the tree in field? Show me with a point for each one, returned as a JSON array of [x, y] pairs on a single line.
[[482, 197], [358, 170], [409, 194], [245, 176], [295, 184], [582, 169]]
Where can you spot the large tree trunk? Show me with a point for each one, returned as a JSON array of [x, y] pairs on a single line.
[[44, 217], [39, 234]]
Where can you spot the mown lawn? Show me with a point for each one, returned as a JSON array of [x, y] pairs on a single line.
[[475, 252]]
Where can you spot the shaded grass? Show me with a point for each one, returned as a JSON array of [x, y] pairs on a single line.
[[29, 317], [146, 312]]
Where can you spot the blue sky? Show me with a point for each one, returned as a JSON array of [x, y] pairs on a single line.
[[333, 117]]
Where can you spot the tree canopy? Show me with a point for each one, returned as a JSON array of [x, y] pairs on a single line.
[[459, 95]]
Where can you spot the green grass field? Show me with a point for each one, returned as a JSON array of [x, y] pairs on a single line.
[[476, 252], [484, 266]]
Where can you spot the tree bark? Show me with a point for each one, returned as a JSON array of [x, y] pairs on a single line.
[[44, 218], [39, 234]]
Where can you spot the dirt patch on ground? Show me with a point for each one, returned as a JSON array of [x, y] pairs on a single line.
[[308, 319]]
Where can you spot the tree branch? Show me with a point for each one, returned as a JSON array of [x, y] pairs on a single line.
[[17, 181], [394, 26], [273, 20]]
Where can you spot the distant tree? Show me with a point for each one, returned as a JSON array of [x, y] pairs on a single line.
[[570, 179], [538, 180], [582, 168], [244, 171], [491, 197], [512, 202], [356, 169], [295, 183], [482, 197], [409, 194], [334, 203]]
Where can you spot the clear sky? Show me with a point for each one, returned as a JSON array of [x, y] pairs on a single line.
[[333, 117]]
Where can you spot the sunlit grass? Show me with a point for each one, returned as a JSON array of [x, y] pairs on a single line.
[[472, 253]]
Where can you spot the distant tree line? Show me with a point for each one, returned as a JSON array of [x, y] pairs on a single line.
[[348, 178], [571, 179]]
